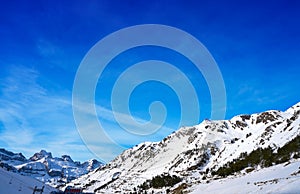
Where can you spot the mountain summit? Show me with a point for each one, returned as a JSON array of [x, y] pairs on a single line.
[[40, 155]]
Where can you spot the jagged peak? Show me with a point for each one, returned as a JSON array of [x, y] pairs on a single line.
[[5, 155], [40, 155], [66, 158]]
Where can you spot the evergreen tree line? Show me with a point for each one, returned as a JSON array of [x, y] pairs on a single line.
[[160, 181], [264, 157]]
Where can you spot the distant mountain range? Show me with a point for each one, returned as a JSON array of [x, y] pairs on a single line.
[[211, 152], [54, 171]]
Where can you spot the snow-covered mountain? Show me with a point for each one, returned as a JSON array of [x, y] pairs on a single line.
[[195, 155], [42, 166]]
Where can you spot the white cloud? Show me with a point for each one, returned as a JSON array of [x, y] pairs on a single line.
[[35, 119], [103, 134]]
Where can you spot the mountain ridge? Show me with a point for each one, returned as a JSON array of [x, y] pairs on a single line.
[[191, 153], [54, 171]]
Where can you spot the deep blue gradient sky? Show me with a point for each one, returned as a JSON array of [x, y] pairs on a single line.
[[256, 45]]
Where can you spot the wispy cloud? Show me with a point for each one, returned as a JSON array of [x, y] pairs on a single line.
[[108, 138], [255, 93], [53, 53], [109, 116], [34, 119]]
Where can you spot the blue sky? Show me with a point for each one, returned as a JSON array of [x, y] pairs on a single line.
[[256, 45]]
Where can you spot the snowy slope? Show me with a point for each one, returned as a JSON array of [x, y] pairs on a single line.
[[190, 151], [283, 178], [13, 183]]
